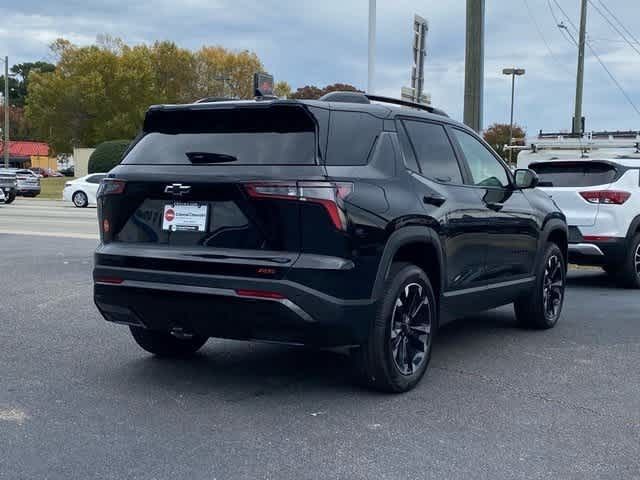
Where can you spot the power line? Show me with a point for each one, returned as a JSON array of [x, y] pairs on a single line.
[[563, 28], [613, 78], [537, 25], [595, 54], [619, 22], [622, 35]]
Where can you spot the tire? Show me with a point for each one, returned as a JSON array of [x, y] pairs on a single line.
[[164, 344], [629, 271], [80, 199], [541, 308], [10, 198], [380, 363]]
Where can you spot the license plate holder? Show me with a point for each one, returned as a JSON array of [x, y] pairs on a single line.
[[185, 217]]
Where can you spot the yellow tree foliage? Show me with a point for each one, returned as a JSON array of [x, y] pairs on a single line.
[[101, 92], [224, 73]]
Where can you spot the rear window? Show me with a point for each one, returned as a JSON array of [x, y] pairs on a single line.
[[238, 136], [351, 137], [577, 174]]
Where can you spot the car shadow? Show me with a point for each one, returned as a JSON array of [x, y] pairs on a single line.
[[240, 370], [590, 278]]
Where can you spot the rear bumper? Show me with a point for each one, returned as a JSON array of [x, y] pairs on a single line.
[[28, 189], [598, 253], [210, 305]]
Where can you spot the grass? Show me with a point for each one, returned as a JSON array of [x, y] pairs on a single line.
[[51, 187]]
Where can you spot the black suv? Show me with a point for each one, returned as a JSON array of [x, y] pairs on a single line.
[[340, 222]]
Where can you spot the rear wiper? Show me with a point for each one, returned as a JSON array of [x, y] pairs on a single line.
[[209, 157]]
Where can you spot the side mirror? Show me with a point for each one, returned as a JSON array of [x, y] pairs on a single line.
[[526, 178]]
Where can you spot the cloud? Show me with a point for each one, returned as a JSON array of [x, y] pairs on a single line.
[[326, 41]]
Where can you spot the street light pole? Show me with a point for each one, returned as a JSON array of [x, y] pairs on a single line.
[[513, 72], [6, 112]]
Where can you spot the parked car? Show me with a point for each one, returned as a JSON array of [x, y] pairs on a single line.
[[8, 184], [28, 183], [68, 172], [601, 199], [338, 222], [2, 197], [82, 191]]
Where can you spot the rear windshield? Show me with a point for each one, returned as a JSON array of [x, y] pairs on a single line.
[[576, 174], [240, 136]]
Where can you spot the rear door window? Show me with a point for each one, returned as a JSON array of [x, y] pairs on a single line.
[[433, 151], [351, 137], [574, 174], [276, 135]]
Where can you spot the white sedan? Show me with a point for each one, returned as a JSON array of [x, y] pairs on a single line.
[[82, 191]]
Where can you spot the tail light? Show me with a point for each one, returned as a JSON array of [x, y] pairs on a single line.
[[111, 186], [328, 194], [608, 197]]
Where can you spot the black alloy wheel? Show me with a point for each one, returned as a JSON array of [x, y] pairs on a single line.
[[553, 288], [410, 328]]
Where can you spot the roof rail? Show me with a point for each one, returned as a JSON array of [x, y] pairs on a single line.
[[359, 97]]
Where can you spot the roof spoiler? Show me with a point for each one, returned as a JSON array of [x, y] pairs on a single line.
[[360, 97]]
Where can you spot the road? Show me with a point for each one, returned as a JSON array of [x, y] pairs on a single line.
[[78, 399], [28, 216]]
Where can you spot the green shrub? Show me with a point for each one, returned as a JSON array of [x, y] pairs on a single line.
[[107, 155]]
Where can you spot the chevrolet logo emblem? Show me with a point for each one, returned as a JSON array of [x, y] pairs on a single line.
[[177, 189]]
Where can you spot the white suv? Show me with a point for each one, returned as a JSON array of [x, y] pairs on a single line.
[[601, 200]]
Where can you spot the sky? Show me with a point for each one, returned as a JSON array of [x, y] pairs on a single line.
[[325, 42]]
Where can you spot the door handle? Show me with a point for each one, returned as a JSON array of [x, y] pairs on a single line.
[[435, 200], [496, 207]]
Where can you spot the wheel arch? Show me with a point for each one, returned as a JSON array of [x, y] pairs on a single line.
[[634, 228], [555, 231], [414, 244]]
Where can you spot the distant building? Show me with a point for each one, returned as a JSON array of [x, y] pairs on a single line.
[[29, 155]]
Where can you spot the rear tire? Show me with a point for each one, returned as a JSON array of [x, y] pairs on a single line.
[[10, 198], [164, 344], [541, 308], [629, 272], [80, 199], [397, 352]]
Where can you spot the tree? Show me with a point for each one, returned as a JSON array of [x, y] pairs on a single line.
[[225, 73], [101, 92], [107, 155], [282, 90], [22, 70], [313, 93], [497, 135]]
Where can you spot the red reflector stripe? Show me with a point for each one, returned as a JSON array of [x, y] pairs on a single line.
[[112, 280], [597, 238], [260, 294]]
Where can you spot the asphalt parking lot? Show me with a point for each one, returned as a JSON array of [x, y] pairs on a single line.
[[78, 399]]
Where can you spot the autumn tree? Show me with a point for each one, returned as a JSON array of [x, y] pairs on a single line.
[[312, 92], [282, 90], [497, 135], [101, 92], [224, 73]]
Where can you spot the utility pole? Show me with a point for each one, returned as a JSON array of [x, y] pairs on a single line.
[[577, 117], [474, 65], [372, 45], [6, 112]]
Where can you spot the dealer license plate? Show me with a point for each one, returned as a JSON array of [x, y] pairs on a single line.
[[185, 217]]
